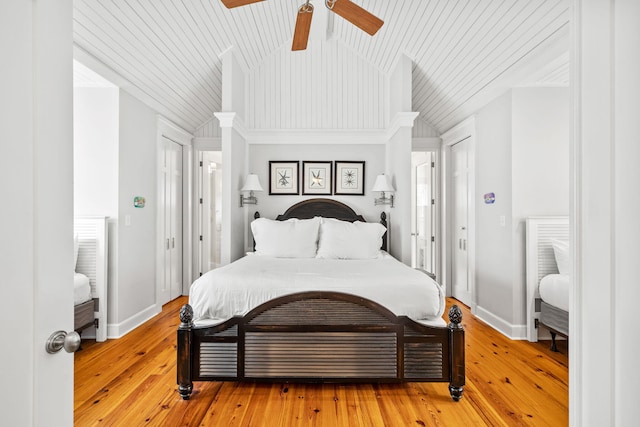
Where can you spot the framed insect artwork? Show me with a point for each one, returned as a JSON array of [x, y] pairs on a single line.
[[348, 178], [316, 178], [283, 177]]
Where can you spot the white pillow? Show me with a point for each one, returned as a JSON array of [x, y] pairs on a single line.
[[76, 248], [350, 240], [293, 238], [562, 255]]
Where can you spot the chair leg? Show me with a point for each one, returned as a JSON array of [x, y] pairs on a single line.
[[553, 342]]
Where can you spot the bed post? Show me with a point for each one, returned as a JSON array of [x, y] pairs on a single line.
[[456, 355], [255, 216], [385, 237], [185, 383]]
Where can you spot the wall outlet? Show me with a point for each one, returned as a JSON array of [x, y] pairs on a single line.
[[503, 220], [127, 220]]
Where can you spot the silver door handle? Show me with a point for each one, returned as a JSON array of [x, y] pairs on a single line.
[[464, 244], [173, 242], [61, 339], [167, 243], [459, 243]]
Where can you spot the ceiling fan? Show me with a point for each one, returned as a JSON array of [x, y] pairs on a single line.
[[350, 11]]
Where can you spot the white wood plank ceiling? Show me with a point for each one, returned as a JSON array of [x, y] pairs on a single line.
[[170, 49]]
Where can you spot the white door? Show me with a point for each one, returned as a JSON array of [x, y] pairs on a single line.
[[171, 205], [460, 209], [36, 219], [424, 206], [210, 210]]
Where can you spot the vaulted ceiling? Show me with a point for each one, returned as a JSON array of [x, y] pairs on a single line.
[[463, 51]]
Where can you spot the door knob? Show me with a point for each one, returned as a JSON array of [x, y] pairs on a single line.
[[61, 339]]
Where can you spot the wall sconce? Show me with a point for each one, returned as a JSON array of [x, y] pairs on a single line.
[[383, 185], [251, 184]]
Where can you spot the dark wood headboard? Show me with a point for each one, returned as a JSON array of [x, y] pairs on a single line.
[[327, 208]]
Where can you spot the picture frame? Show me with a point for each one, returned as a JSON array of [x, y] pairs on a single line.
[[317, 178], [348, 178], [284, 177]]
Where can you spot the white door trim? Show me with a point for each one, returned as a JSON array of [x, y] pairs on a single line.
[[466, 130]]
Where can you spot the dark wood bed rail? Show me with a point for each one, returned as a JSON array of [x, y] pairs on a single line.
[[321, 337]]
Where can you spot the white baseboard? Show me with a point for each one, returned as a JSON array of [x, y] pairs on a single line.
[[118, 330], [514, 332]]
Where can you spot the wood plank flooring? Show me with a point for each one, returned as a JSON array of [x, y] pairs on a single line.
[[132, 382]]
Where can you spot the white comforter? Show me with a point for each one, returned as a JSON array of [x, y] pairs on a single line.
[[554, 290], [81, 288], [237, 288]]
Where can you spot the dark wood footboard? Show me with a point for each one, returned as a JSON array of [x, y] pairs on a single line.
[[321, 337]]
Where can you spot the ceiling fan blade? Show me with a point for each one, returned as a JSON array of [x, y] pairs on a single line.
[[303, 26], [359, 17], [236, 3]]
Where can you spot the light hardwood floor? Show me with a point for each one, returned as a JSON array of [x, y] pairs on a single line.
[[132, 382]]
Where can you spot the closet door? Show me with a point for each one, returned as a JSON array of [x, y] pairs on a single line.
[[172, 220], [460, 198]]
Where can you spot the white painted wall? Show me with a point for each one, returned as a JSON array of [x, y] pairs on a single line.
[[400, 87], [233, 85], [95, 151], [398, 161], [422, 129], [136, 246], [522, 155], [234, 157], [210, 129], [494, 244], [540, 170]]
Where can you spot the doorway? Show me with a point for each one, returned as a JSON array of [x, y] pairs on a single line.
[[424, 204], [210, 211]]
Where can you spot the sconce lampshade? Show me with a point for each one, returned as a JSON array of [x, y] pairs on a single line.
[[383, 183], [252, 183]]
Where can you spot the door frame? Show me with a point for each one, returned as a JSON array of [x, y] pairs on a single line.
[[200, 144], [465, 131], [167, 129]]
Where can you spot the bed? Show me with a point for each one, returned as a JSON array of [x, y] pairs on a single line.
[[90, 276], [548, 280], [307, 326]]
